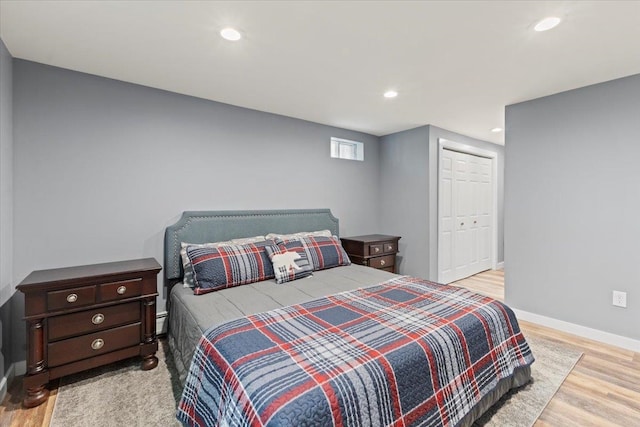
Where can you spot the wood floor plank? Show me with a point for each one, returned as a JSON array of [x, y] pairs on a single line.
[[618, 375], [589, 402], [602, 390], [560, 413]]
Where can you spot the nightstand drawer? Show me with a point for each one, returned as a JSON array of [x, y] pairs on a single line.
[[120, 290], [83, 347], [375, 249], [93, 320], [382, 261], [389, 248], [71, 298]]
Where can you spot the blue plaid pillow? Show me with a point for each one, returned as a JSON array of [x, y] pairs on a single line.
[[289, 261], [324, 252], [227, 266]]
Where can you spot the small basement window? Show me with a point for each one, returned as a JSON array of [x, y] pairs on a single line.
[[348, 150]]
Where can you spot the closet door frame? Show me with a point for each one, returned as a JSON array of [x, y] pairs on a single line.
[[468, 149]]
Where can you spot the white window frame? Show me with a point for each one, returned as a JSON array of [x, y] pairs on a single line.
[[346, 149]]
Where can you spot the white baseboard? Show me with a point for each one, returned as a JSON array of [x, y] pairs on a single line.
[[6, 381], [15, 369], [581, 331], [161, 323], [499, 266], [21, 367]]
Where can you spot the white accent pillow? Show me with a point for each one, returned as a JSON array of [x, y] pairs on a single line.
[[286, 260]]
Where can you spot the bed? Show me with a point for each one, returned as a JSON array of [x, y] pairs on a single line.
[[349, 345]]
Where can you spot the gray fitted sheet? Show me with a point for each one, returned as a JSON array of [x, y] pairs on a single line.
[[190, 315]]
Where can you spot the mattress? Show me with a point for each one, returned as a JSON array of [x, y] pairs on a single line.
[[190, 315]]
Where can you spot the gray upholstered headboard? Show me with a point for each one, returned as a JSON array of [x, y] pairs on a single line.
[[215, 226]]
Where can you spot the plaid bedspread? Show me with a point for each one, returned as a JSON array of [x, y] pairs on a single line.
[[406, 352]]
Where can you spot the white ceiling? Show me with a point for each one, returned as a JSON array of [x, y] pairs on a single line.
[[455, 64]]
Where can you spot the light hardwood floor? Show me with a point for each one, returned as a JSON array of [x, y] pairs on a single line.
[[602, 390]]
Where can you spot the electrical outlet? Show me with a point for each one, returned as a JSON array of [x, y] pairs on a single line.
[[620, 299]]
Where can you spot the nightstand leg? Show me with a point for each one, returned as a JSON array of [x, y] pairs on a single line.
[[150, 361], [35, 394]]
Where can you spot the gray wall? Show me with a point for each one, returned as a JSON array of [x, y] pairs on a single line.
[[572, 199], [102, 167], [6, 206], [404, 196], [409, 194]]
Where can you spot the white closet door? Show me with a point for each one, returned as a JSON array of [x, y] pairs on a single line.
[[484, 216], [465, 205], [447, 220], [462, 206]]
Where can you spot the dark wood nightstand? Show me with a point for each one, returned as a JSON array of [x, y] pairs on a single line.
[[83, 317], [373, 250]]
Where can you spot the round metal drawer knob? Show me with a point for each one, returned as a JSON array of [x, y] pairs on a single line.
[[377, 250], [121, 290], [97, 318], [72, 298], [97, 344], [382, 262]]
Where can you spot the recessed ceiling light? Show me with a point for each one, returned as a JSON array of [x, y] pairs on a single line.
[[390, 94], [230, 34], [496, 130], [547, 23]]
